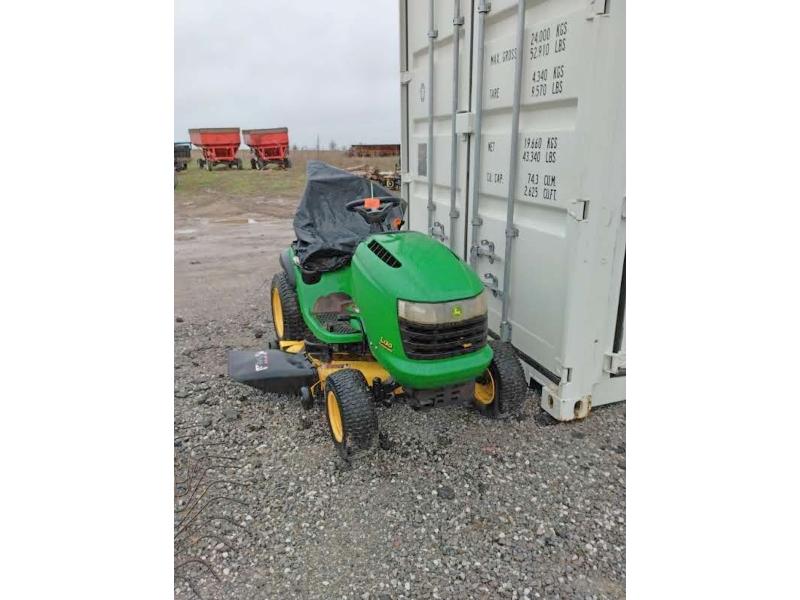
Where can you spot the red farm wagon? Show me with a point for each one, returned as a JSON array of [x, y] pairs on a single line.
[[268, 146], [219, 146]]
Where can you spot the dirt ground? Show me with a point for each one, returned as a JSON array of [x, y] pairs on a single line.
[[455, 505]]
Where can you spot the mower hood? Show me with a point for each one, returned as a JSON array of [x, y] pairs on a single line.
[[409, 265]]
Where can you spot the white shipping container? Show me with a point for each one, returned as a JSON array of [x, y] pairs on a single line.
[[555, 157]]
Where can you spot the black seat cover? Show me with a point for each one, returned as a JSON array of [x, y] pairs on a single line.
[[327, 233]]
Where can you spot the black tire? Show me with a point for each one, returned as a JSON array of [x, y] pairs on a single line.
[[239, 163], [201, 163], [507, 383], [346, 391], [209, 165], [230, 165], [291, 319], [252, 163]]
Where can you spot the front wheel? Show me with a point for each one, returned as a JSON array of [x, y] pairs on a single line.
[[501, 388], [351, 414]]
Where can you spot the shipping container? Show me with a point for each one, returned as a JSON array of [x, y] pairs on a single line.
[[513, 155]]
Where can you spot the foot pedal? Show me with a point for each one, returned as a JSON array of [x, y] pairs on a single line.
[[331, 322]]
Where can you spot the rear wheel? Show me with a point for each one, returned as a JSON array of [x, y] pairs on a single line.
[[351, 415], [286, 315], [500, 390], [252, 163]]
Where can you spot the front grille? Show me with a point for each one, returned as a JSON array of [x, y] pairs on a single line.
[[426, 342]]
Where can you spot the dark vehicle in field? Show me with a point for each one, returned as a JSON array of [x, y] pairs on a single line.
[[183, 154]]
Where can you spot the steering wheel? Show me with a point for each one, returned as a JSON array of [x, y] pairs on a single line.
[[374, 210]]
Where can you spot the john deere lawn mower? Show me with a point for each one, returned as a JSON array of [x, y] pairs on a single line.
[[366, 313]]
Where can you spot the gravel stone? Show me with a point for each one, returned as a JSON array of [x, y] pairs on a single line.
[[447, 493]]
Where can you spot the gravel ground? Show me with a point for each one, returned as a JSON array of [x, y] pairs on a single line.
[[454, 505]]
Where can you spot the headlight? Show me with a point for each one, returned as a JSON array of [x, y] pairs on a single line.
[[442, 312]]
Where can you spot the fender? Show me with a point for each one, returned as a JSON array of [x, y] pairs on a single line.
[[288, 266]]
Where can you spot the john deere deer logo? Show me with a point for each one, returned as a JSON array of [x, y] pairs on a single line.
[[457, 312]]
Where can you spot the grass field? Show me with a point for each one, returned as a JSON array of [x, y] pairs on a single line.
[[270, 183]]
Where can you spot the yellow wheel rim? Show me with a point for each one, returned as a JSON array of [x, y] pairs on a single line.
[[484, 392], [277, 312], [335, 418]]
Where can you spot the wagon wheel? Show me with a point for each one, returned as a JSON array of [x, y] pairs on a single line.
[[230, 165], [201, 163], [209, 165], [239, 163], [252, 163]]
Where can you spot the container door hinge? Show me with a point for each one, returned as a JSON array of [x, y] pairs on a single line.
[[477, 221], [454, 214], [493, 285], [512, 232], [437, 231], [485, 248], [579, 210], [484, 7], [433, 34], [614, 362]]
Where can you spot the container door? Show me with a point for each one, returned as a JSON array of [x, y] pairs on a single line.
[[415, 95], [559, 155], [556, 62]]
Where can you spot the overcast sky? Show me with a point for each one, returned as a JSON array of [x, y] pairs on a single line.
[[315, 66]]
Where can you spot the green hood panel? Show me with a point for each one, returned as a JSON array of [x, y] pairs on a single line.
[[429, 271]]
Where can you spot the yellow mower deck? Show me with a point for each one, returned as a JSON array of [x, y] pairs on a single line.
[[370, 369]]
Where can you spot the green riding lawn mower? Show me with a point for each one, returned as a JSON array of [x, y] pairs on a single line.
[[366, 313]]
